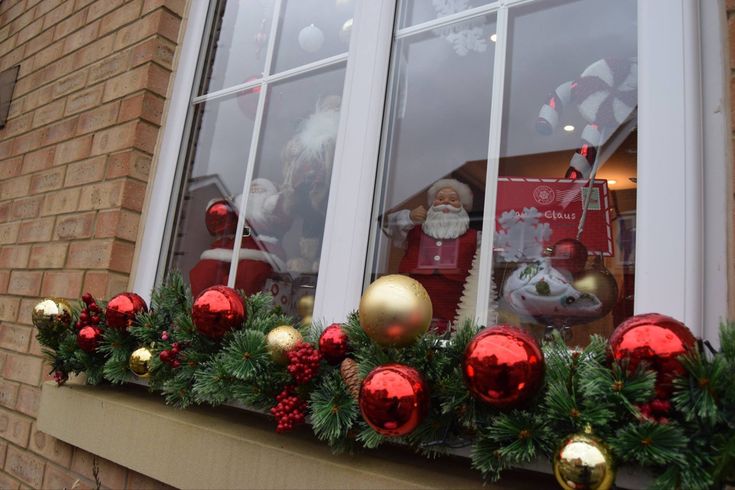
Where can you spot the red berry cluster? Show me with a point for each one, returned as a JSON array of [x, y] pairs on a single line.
[[90, 315], [303, 362], [171, 356], [290, 409], [60, 377], [656, 411]]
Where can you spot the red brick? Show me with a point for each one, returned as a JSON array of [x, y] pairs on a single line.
[[39, 42], [82, 37], [38, 97], [3, 451], [65, 284], [4, 280], [29, 399], [9, 483], [144, 27], [60, 131], [48, 256], [114, 139], [158, 78], [70, 24], [14, 256], [176, 6], [98, 9], [98, 50], [108, 67], [25, 283], [8, 395], [76, 226], [103, 195], [84, 99], [4, 211], [58, 14], [23, 368], [111, 475], [49, 113], [60, 202], [144, 105], [36, 349], [73, 150], [70, 83], [8, 308], [25, 466], [121, 256], [117, 224], [56, 477], [38, 160], [37, 230], [17, 187], [96, 119], [121, 16], [25, 310], [129, 164], [104, 284], [11, 168], [9, 232], [92, 254], [15, 337], [14, 428], [16, 125], [155, 49], [25, 208], [50, 448], [47, 181], [30, 31], [127, 83], [86, 171], [146, 136], [47, 56], [29, 141]]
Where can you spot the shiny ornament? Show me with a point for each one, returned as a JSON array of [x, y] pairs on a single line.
[[305, 306], [503, 366], [122, 310], [598, 282], [51, 313], [346, 31], [395, 310], [220, 218], [140, 362], [583, 462], [311, 38], [658, 340], [217, 310], [280, 340], [88, 338], [394, 399], [569, 255], [334, 344]]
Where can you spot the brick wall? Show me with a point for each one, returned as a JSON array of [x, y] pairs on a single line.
[[74, 163]]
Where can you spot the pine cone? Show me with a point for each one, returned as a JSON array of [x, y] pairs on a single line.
[[349, 372]]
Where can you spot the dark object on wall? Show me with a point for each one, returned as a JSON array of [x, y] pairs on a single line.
[[7, 84]]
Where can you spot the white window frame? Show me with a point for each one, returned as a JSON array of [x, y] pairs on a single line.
[[678, 272]]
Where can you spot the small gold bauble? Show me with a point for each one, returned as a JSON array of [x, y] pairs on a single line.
[[395, 310], [140, 362], [305, 306], [280, 340], [583, 462], [50, 313], [599, 282]]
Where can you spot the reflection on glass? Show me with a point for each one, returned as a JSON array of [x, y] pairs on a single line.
[[564, 244], [312, 30], [207, 214], [434, 164], [237, 49], [414, 12]]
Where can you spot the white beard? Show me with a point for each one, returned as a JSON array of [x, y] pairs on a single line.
[[259, 210], [444, 226]]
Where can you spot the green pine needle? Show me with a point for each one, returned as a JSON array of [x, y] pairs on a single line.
[[333, 410], [650, 443], [246, 354]]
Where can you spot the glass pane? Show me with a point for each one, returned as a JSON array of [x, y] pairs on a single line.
[[206, 214], [570, 101], [414, 12], [438, 126], [238, 44], [290, 187], [312, 30]]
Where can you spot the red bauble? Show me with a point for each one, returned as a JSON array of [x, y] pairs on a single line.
[[656, 340], [221, 218], [334, 344], [394, 399], [503, 366], [217, 310], [569, 254], [122, 309], [88, 338]]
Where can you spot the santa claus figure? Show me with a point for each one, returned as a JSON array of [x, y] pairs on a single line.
[[260, 252], [440, 246]]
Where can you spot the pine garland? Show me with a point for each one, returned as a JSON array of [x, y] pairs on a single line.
[[693, 446]]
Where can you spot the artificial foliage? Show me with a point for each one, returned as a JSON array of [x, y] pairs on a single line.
[[687, 441]]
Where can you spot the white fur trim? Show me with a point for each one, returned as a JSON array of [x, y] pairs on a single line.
[[225, 255], [464, 191]]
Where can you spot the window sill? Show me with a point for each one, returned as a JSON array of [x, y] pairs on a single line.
[[225, 447]]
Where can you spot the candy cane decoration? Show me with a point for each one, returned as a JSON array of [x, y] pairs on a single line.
[[605, 94]]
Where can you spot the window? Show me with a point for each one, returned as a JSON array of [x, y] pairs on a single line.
[[433, 90]]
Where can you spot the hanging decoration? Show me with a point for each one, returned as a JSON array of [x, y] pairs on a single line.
[[140, 362], [569, 255], [51, 314], [334, 344], [583, 462], [122, 309], [311, 38], [600, 283], [280, 340], [217, 310]]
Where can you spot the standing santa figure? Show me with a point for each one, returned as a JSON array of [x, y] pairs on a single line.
[[439, 252]]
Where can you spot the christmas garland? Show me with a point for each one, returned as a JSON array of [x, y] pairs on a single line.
[[623, 404]]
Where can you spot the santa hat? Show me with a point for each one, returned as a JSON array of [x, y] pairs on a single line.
[[464, 191]]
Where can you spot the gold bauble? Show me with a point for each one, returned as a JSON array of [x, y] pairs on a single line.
[[395, 310], [280, 340], [305, 306], [582, 462], [140, 362], [50, 313], [599, 282]]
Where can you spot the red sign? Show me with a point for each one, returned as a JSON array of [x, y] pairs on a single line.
[[533, 213]]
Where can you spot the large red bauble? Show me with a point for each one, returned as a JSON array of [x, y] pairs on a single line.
[[88, 337], [122, 309], [220, 218], [658, 340], [569, 254], [394, 399], [503, 366], [334, 344], [217, 310]]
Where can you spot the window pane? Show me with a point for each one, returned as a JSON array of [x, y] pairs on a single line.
[[571, 84], [438, 127], [414, 12], [206, 216], [238, 44], [312, 30]]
